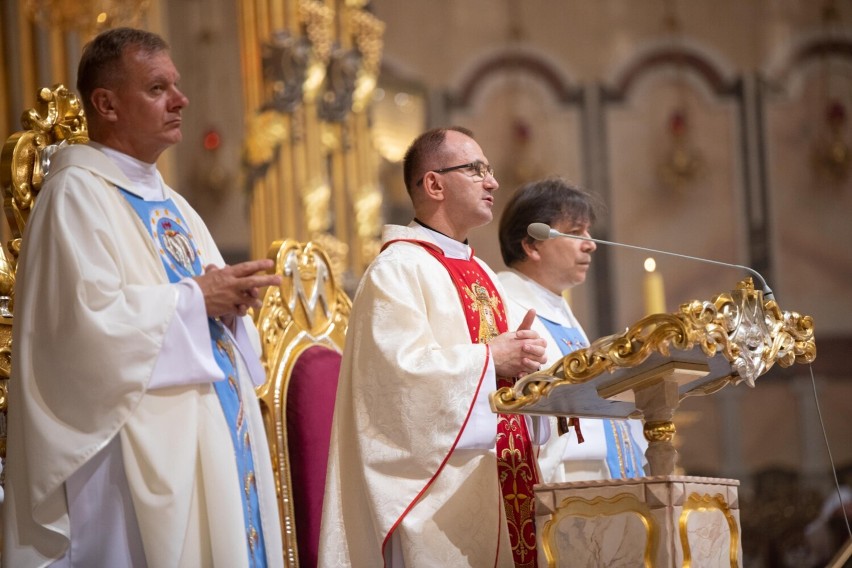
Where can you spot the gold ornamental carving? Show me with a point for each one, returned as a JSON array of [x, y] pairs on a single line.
[[318, 20], [311, 166], [294, 65], [265, 133], [316, 199], [56, 121], [308, 308], [659, 431], [309, 298], [751, 333], [367, 31]]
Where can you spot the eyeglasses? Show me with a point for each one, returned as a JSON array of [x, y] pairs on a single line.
[[481, 170]]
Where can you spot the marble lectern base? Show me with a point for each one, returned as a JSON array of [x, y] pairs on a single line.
[[664, 521]]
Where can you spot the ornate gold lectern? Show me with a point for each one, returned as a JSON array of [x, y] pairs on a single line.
[[662, 520]]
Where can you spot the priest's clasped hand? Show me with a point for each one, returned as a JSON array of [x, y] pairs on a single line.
[[518, 352], [233, 289]]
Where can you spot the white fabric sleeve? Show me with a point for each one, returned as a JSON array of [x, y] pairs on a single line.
[[539, 429], [480, 433], [186, 357], [248, 344]]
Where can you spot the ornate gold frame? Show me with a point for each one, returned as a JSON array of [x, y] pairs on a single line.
[[704, 503], [600, 507]]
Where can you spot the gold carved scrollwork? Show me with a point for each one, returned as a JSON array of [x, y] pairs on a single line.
[[265, 132], [317, 18], [294, 64], [57, 120], [315, 199], [294, 68], [308, 298], [749, 332], [368, 32]]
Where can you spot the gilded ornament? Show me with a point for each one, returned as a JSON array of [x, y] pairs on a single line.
[[307, 309], [750, 333], [696, 504], [7, 285], [265, 133], [660, 431], [368, 211], [87, 16], [308, 295], [315, 202], [318, 20], [368, 32], [56, 121]]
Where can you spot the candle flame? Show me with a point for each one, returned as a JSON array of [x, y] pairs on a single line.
[[650, 264]]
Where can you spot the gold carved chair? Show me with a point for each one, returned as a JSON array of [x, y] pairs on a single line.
[[302, 325], [57, 120]]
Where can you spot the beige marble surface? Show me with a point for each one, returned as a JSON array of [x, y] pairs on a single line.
[[660, 521]]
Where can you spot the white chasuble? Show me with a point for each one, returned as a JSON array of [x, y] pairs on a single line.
[[408, 382], [93, 309]]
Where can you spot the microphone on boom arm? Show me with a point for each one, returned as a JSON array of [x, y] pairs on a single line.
[[543, 232]]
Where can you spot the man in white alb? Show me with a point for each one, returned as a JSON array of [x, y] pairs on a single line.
[[540, 271], [135, 437]]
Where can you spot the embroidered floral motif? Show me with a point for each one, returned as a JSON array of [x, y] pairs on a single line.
[[517, 475]]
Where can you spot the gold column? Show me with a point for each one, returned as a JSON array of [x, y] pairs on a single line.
[[309, 70]]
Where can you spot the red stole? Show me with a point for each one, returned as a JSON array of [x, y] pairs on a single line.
[[516, 467]]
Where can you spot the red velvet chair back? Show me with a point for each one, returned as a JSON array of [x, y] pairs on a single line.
[[310, 409]]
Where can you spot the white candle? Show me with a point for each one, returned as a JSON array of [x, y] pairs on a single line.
[[655, 295]]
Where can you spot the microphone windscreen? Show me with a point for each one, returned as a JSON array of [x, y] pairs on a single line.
[[539, 231]]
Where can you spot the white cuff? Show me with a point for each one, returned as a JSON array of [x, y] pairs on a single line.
[[480, 433], [186, 356]]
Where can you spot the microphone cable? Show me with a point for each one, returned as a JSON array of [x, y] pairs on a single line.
[[828, 449]]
